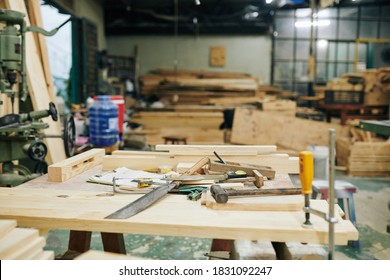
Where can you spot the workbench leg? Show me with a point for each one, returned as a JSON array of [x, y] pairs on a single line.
[[113, 242], [79, 242], [282, 251], [343, 116], [225, 245]]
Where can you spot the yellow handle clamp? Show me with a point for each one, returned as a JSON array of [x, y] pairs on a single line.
[[306, 171]]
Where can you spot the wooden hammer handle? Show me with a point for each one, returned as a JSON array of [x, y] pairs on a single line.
[[281, 191]]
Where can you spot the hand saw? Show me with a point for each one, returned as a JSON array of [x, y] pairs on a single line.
[[148, 199]]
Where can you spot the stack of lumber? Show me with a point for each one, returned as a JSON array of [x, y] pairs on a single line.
[[374, 82], [364, 158], [254, 127], [174, 156], [203, 87], [384, 78], [347, 82], [377, 89], [39, 78], [197, 127], [280, 106], [21, 243]]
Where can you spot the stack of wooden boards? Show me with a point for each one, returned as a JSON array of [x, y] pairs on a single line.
[[364, 158], [21, 243], [196, 126], [375, 83], [204, 87], [39, 78], [199, 124]]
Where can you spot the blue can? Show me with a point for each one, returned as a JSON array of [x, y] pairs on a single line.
[[103, 122]]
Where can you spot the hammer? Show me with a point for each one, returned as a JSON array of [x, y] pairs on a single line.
[[221, 196]]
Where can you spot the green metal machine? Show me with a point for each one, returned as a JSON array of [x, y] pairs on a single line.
[[21, 134]]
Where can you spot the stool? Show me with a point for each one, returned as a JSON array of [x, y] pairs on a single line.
[[175, 139], [343, 191]]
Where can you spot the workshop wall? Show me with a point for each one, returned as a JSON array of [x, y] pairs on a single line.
[[249, 54], [93, 11]]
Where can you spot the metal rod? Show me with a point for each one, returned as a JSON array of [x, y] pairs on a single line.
[[332, 155]]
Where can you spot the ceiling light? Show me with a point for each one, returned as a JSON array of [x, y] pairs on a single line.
[[307, 23], [322, 43], [268, 1], [197, 2], [251, 12]]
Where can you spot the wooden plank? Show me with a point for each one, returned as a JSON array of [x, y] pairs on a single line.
[[66, 169], [15, 240], [35, 16], [220, 149], [280, 165], [38, 90], [85, 210], [194, 135], [278, 105], [253, 127], [6, 226], [363, 148], [232, 100], [44, 255], [180, 114], [29, 251]]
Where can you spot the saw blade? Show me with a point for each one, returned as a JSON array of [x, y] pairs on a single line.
[[141, 203]]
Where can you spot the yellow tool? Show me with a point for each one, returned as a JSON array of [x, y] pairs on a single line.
[[306, 174]]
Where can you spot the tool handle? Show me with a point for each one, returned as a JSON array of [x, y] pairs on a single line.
[[219, 194], [264, 192], [306, 171], [236, 174], [197, 166]]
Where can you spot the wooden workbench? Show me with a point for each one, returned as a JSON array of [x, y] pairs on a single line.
[[81, 207]]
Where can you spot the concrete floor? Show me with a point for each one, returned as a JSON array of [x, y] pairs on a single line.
[[372, 214]]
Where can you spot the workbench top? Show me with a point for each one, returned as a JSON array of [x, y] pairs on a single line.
[[77, 205]]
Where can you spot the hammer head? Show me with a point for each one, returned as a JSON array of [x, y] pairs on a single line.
[[219, 194]]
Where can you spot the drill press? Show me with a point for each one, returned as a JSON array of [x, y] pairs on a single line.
[[21, 134]]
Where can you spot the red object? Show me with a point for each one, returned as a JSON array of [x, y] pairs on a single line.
[[120, 102]]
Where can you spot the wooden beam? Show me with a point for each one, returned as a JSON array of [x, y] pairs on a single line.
[[220, 149], [66, 169]]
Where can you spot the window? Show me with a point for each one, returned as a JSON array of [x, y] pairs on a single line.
[[336, 31]]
